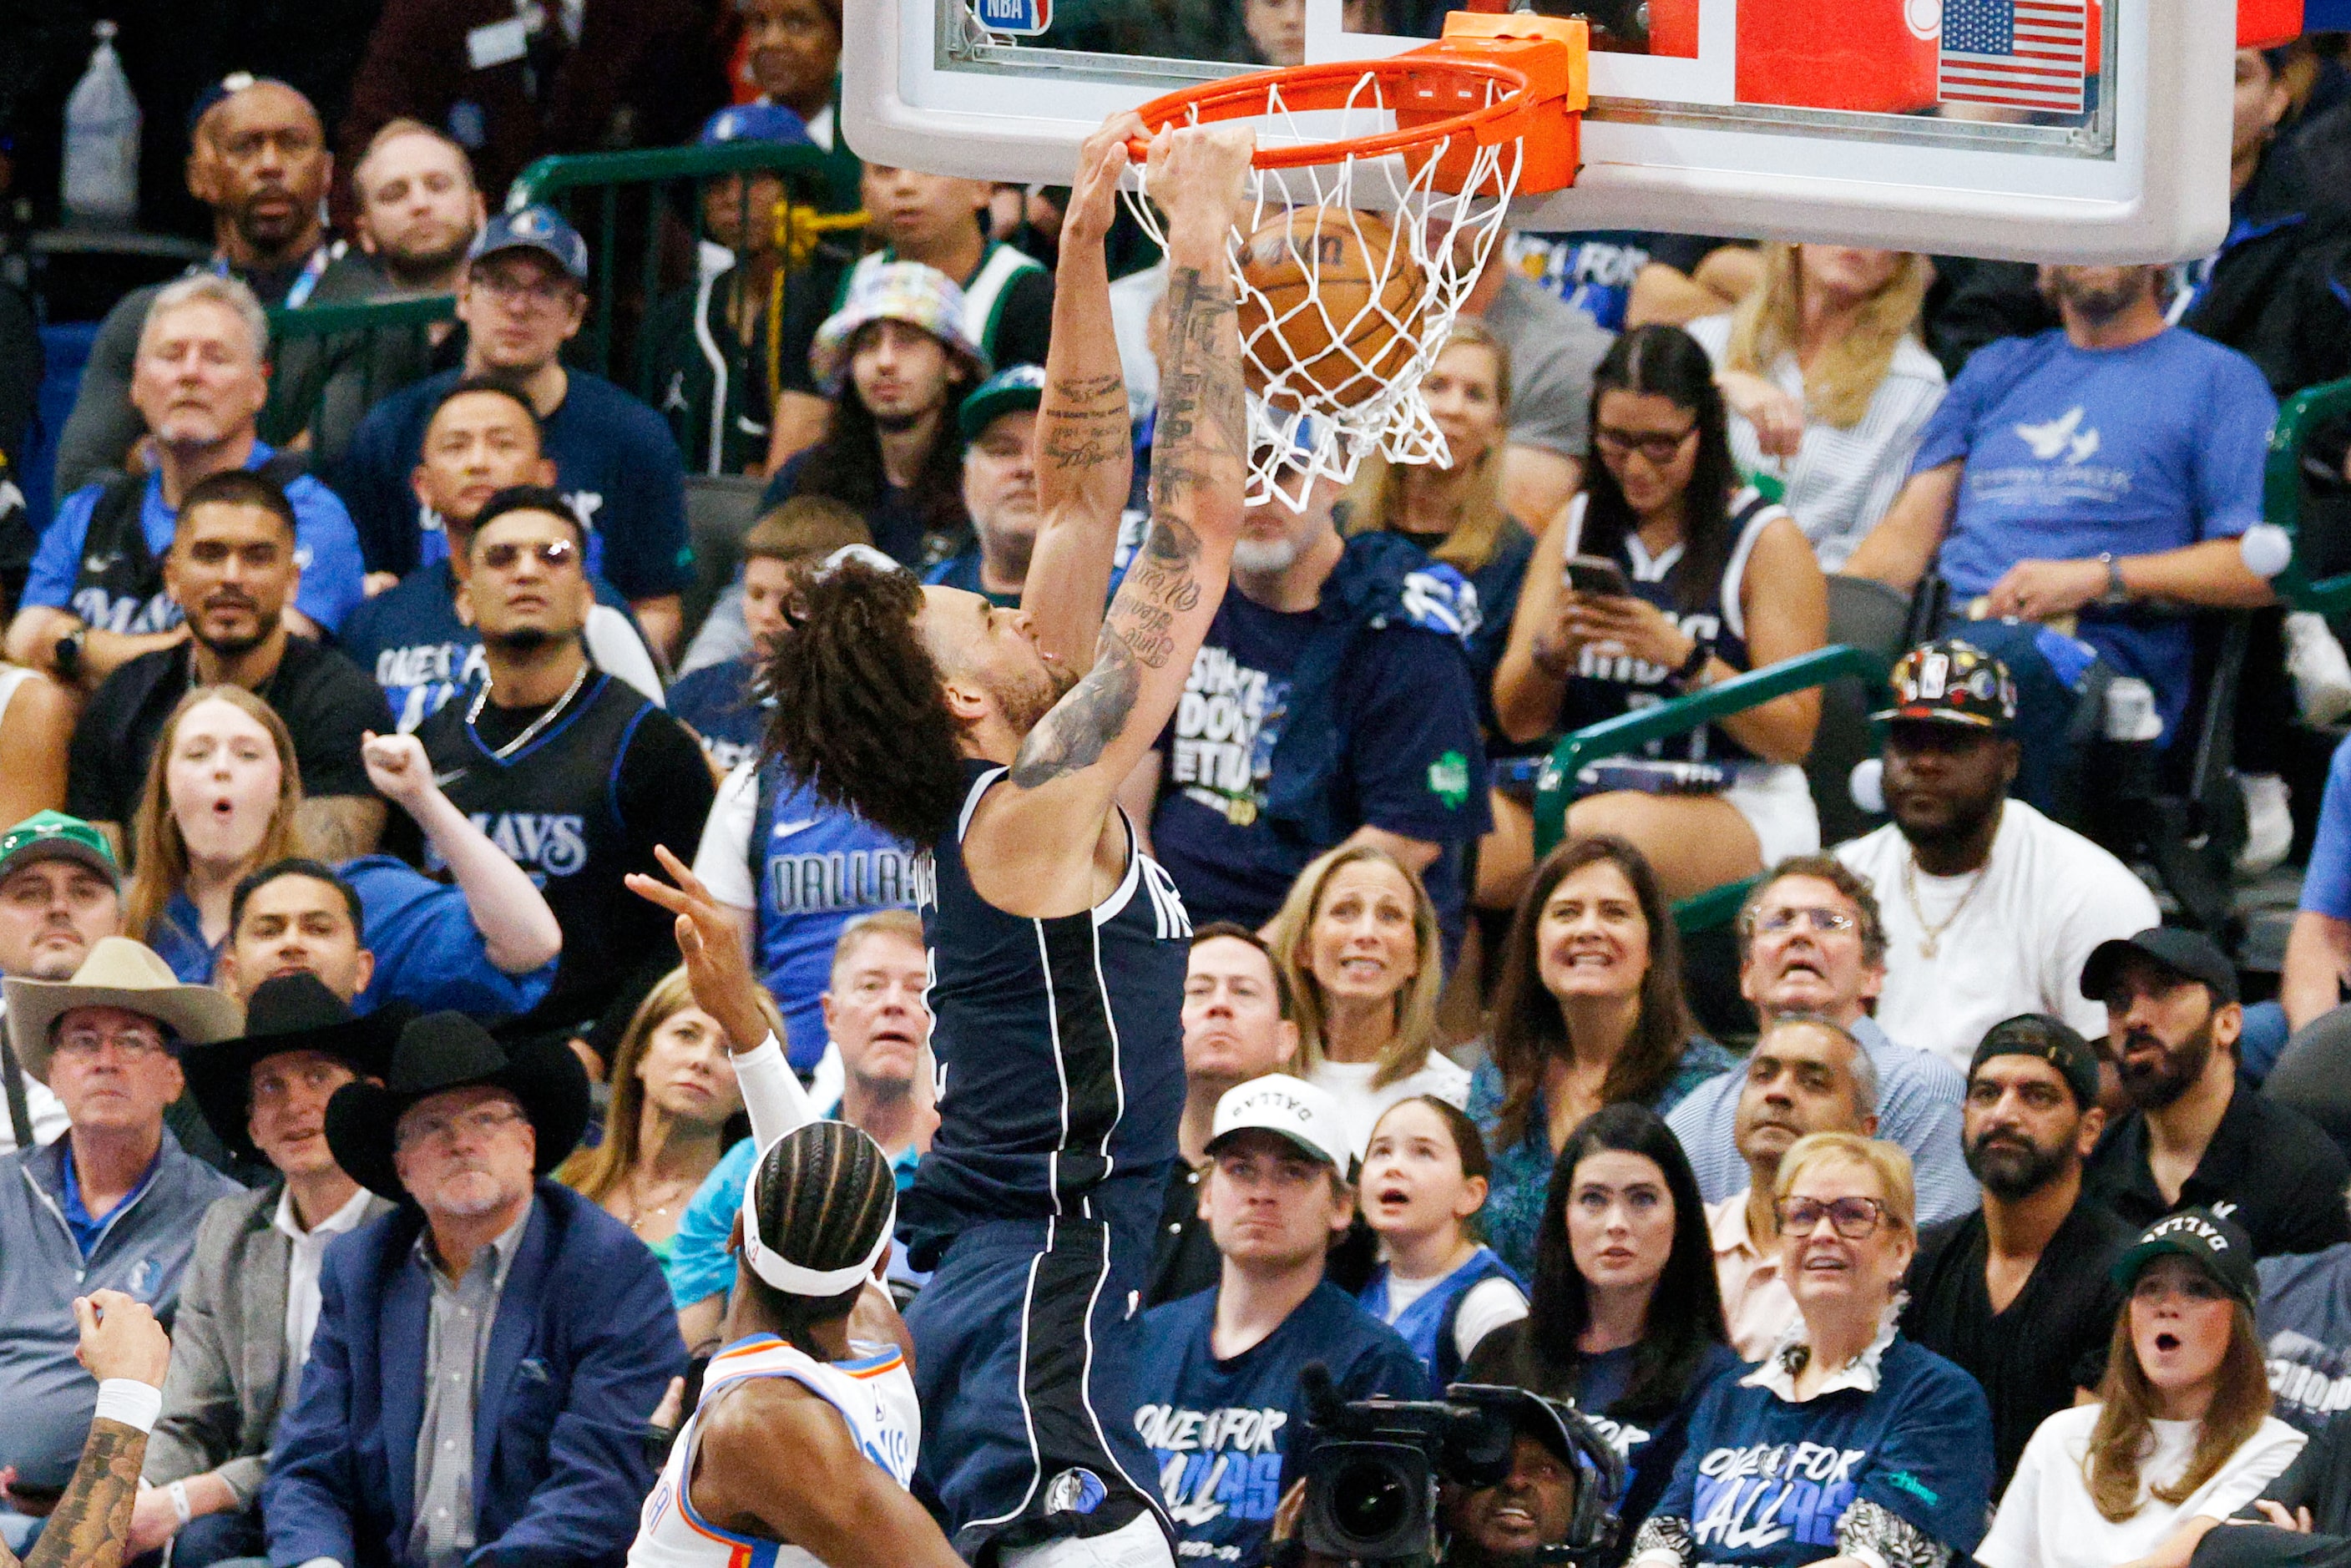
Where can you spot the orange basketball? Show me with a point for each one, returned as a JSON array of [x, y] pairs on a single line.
[[1334, 297]]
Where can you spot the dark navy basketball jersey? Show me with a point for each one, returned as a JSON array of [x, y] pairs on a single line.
[[1059, 1042]]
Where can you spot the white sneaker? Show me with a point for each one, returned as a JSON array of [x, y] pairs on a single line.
[[2269, 823], [2322, 674]]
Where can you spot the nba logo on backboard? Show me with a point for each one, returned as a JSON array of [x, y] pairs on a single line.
[[1026, 17]]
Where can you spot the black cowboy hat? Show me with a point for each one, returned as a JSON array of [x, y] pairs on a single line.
[[288, 1012], [441, 1052]]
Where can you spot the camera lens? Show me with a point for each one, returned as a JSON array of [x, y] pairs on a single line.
[[1369, 1500]]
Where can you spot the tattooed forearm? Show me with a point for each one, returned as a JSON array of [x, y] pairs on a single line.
[[1202, 421], [1073, 737], [90, 1526]]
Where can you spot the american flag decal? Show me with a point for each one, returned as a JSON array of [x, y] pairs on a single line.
[[2016, 54]]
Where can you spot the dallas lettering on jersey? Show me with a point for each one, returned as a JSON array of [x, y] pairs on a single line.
[[838, 879], [427, 674], [1598, 663], [1751, 1498], [1214, 1464], [1226, 727]]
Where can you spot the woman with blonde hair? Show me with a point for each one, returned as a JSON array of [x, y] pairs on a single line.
[[1828, 385], [1357, 939], [674, 1095], [2182, 1436]]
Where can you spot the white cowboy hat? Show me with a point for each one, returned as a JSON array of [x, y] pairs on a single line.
[[118, 973]]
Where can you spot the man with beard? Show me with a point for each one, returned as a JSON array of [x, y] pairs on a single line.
[[233, 568], [2198, 1133], [418, 208], [1991, 908], [2018, 1292]]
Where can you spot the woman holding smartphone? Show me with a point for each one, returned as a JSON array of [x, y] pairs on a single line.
[[1666, 576]]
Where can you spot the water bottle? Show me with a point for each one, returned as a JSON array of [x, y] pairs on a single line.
[[101, 163]]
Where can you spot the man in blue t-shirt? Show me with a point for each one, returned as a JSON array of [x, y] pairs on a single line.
[[95, 598], [1331, 704], [523, 298], [2086, 474], [1220, 1407]]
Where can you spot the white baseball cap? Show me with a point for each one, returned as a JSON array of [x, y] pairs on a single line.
[[1277, 1102]]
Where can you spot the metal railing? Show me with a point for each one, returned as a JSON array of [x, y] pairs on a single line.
[[2281, 495], [330, 362]]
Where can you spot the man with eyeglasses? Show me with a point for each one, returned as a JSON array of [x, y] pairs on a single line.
[[522, 296], [112, 1205], [571, 771], [2019, 1294], [1812, 941]]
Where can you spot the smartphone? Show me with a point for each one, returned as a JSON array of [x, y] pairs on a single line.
[[1599, 575]]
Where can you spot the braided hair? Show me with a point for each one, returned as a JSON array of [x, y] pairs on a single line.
[[825, 1192], [859, 715]]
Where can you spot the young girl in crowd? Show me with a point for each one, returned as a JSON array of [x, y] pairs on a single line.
[[2182, 1436], [1357, 938], [1423, 1182], [1626, 1319], [1715, 581], [1588, 1011]]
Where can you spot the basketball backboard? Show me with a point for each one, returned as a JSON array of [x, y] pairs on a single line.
[[2037, 130]]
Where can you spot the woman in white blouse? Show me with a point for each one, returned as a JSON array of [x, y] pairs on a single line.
[[1828, 385], [2182, 1436]]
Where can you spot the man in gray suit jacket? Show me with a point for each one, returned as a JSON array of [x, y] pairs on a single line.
[[250, 1298]]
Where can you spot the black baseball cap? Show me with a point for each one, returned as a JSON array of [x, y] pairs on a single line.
[[1951, 680], [2206, 1235], [2187, 953], [2051, 1039]]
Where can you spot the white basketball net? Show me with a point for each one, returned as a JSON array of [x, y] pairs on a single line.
[[1318, 415]]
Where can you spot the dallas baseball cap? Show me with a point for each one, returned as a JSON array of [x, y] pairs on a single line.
[[1009, 390], [538, 228], [1951, 680], [1292, 1107], [755, 123], [2052, 1040], [54, 836], [2206, 1236], [2187, 953]]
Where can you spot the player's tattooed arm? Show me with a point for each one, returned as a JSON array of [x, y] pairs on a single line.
[[90, 1526], [1201, 439], [1085, 424]]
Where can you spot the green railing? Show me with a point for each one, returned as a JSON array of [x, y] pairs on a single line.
[[330, 362], [2281, 486], [1555, 786]]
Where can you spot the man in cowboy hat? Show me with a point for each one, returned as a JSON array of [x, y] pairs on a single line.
[[486, 1356], [251, 1299], [112, 1205], [60, 891]]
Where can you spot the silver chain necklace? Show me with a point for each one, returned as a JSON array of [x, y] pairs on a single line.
[[500, 754]]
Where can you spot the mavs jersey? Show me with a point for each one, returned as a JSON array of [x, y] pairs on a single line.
[[1059, 1042], [875, 1399]]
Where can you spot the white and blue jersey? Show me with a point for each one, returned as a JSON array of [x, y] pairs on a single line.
[[875, 1397]]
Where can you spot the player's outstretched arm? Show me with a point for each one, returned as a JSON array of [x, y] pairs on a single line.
[[1084, 452], [777, 1462]]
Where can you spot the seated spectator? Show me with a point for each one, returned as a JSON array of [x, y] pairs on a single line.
[[418, 209], [1423, 1180], [674, 1099], [881, 1031], [1804, 1076], [1218, 1402], [1850, 1441], [523, 295], [1558, 1452], [1588, 1011], [126, 1352], [2197, 1134], [1555, 350], [60, 891], [36, 723], [2077, 476], [1719, 582], [497, 1343], [1812, 941], [1600, 271], [792, 52], [1004, 298], [216, 824], [112, 1205], [999, 424], [1624, 1319], [572, 774], [2319, 949], [482, 436], [1357, 939], [2298, 1522], [2017, 1295], [720, 702], [1828, 383], [250, 1300], [1377, 741], [897, 361], [233, 568], [2181, 1436], [1991, 908], [256, 158], [96, 597], [1239, 1022]]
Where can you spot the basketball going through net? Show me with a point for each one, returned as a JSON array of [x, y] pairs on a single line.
[[1380, 190]]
